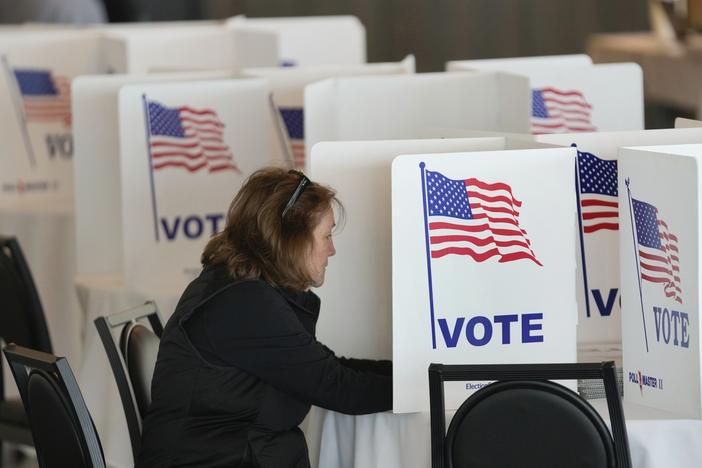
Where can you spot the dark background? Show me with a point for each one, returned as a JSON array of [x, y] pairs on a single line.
[[435, 31]]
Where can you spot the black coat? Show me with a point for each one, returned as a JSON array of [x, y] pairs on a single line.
[[238, 368]]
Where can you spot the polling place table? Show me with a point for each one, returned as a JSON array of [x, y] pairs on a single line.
[[656, 439], [46, 233]]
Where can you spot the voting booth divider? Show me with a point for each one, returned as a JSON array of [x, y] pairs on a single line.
[[523, 65], [313, 40], [599, 228], [287, 85], [185, 149], [98, 201], [659, 253], [483, 265], [36, 70], [399, 107], [138, 50], [569, 94], [357, 320]]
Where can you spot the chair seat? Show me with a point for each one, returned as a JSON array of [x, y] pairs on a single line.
[[12, 412]]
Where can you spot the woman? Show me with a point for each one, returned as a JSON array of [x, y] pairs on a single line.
[[239, 366]]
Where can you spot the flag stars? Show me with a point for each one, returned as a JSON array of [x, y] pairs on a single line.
[[597, 175]]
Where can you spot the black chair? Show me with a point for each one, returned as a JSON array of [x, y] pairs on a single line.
[[525, 420], [133, 364], [63, 431], [21, 321]]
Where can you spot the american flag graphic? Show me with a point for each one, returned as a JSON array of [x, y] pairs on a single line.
[[477, 219], [558, 111], [294, 119], [658, 250], [46, 97], [599, 194], [188, 138]]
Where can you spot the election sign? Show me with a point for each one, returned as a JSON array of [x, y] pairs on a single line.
[[98, 200], [483, 264], [185, 150], [599, 211], [36, 70], [659, 261]]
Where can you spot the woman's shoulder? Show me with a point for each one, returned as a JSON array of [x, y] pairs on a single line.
[[246, 295]]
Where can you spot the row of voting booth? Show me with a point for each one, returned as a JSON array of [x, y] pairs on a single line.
[[508, 210]]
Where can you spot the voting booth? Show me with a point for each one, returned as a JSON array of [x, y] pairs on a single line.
[[98, 201], [185, 149], [288, 84], [659, 255], [570, 94], [483, 265], [140, 50], [599, 229], [313, 40], [397, 107], [35, 94], [357, 320], [521, 64]]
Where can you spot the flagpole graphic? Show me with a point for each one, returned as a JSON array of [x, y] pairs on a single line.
[[281, 132], [422, 165], [15, 93], [580, 230], [636, 254], [147, 119]]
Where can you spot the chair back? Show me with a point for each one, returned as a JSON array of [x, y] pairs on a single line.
[[22, 320], [139, 347], [63, 431], [133, 361], [525, 420]]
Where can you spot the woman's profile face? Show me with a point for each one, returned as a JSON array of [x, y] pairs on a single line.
[[322, 248]]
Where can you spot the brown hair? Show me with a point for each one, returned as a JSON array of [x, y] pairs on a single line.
[[258, 242]]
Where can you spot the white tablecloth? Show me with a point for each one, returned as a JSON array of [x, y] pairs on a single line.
[[46, 233], [656, 439], [100, 296]]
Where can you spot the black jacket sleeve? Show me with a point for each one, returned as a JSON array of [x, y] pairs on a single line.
[[252, 327]]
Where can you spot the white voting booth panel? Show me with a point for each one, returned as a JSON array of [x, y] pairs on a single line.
[[36, 70], [687, 123], [356, 295], [288, 84], [483, 265], [185, 150], [521, 64], [140, 50], [399, 107], [570, 94], [660, 276], [314, 40], [599, 325], [96, 165]]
